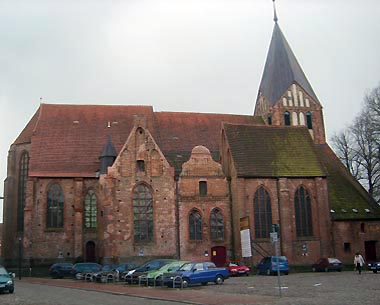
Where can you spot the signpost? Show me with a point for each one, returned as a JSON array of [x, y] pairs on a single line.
[[274, 240]]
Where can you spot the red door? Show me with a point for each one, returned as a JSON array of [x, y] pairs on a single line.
[[90, 252], [219, 256]]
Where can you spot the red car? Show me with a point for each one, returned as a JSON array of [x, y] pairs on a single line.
[[327, 264], [238, 268]]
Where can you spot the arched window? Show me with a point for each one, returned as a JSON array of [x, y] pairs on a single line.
[[302, 119], [217, 224], [262, 210], [22, 179], [195, 225], [309, 120], [54, 207], [302, 206], [90, 208], [287, 118], [143, 213], [295, 118]]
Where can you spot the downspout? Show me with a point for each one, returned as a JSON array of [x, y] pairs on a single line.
[[279, 213], [176, 178], [232, 216]]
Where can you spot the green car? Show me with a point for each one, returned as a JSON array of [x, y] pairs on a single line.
[[6, 281], [153, 278]]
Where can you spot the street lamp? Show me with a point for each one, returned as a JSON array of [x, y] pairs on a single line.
[[19, 257]]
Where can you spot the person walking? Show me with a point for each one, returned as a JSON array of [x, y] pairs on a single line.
[[358, 262]]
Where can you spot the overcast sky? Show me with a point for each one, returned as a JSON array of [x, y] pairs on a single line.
[[179, 55]]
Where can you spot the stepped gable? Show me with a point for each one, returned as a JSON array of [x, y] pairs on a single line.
[[180, 132], [272, 151], [348, 199], [69, 138]]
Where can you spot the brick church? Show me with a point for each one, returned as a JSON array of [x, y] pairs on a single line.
[[125, 183]]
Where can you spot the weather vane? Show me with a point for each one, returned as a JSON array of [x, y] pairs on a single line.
[[274, 10]]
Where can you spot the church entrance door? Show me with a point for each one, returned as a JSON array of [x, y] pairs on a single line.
[[218, 255], [90, 252]]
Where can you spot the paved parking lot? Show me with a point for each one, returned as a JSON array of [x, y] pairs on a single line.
[[334, 288]]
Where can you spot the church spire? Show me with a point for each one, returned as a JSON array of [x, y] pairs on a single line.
[[275, 19]]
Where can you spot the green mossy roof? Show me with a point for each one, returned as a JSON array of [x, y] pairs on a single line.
[[348, 199], [272, 151]]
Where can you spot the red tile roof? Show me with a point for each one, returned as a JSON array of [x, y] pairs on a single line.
[[68, 139]]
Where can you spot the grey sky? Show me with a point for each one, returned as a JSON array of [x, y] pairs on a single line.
[[178, 55]]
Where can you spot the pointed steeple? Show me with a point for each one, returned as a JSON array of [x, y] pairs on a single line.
[[282, 69], [108, 155]]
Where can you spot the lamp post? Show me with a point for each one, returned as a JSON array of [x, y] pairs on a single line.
[[19, 257]]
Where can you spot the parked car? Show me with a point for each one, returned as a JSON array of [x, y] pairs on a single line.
[[374, 266], [238, 268], [60, 270], [268, 265], [84, 270], [196, 273], [106, 274], [154, 277], [132, 276], [123, 269], [327, 264], [6, 280]]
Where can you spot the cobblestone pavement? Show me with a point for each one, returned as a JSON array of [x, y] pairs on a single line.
[[335, 288]]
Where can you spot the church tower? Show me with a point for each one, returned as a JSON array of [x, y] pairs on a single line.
[[285, 96]]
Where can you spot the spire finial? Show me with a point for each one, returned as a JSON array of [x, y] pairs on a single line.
[[275, 19]]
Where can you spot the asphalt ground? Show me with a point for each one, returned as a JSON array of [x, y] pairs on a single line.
[[332, 288]]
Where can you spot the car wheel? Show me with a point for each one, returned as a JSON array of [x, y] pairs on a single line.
[[219, 280], [374, 271], [11, 290], [185, 283], [326, 269], [268, 272], [286, 272], [313, 269]]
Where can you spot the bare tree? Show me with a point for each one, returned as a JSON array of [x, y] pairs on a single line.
[[358, 146], [345, 149]]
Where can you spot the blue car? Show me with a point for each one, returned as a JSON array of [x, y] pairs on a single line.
[[268, 265], [6, 280]]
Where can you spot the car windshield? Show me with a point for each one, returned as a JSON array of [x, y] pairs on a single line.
[[186, 267], [281, 259], [107, 268], [3, 271], [334, 260]]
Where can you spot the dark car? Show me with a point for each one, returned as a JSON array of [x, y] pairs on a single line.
[[60, 270], [269, 265], [238, 268], [6, 280], [84, 270], [106, 274], [327, 264], [374, 266], [132, 276]]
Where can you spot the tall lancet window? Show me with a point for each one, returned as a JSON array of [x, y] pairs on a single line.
[[54, 207], [143, 213], [262, 210], [90, 208], [21, 192], [302, 207]]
